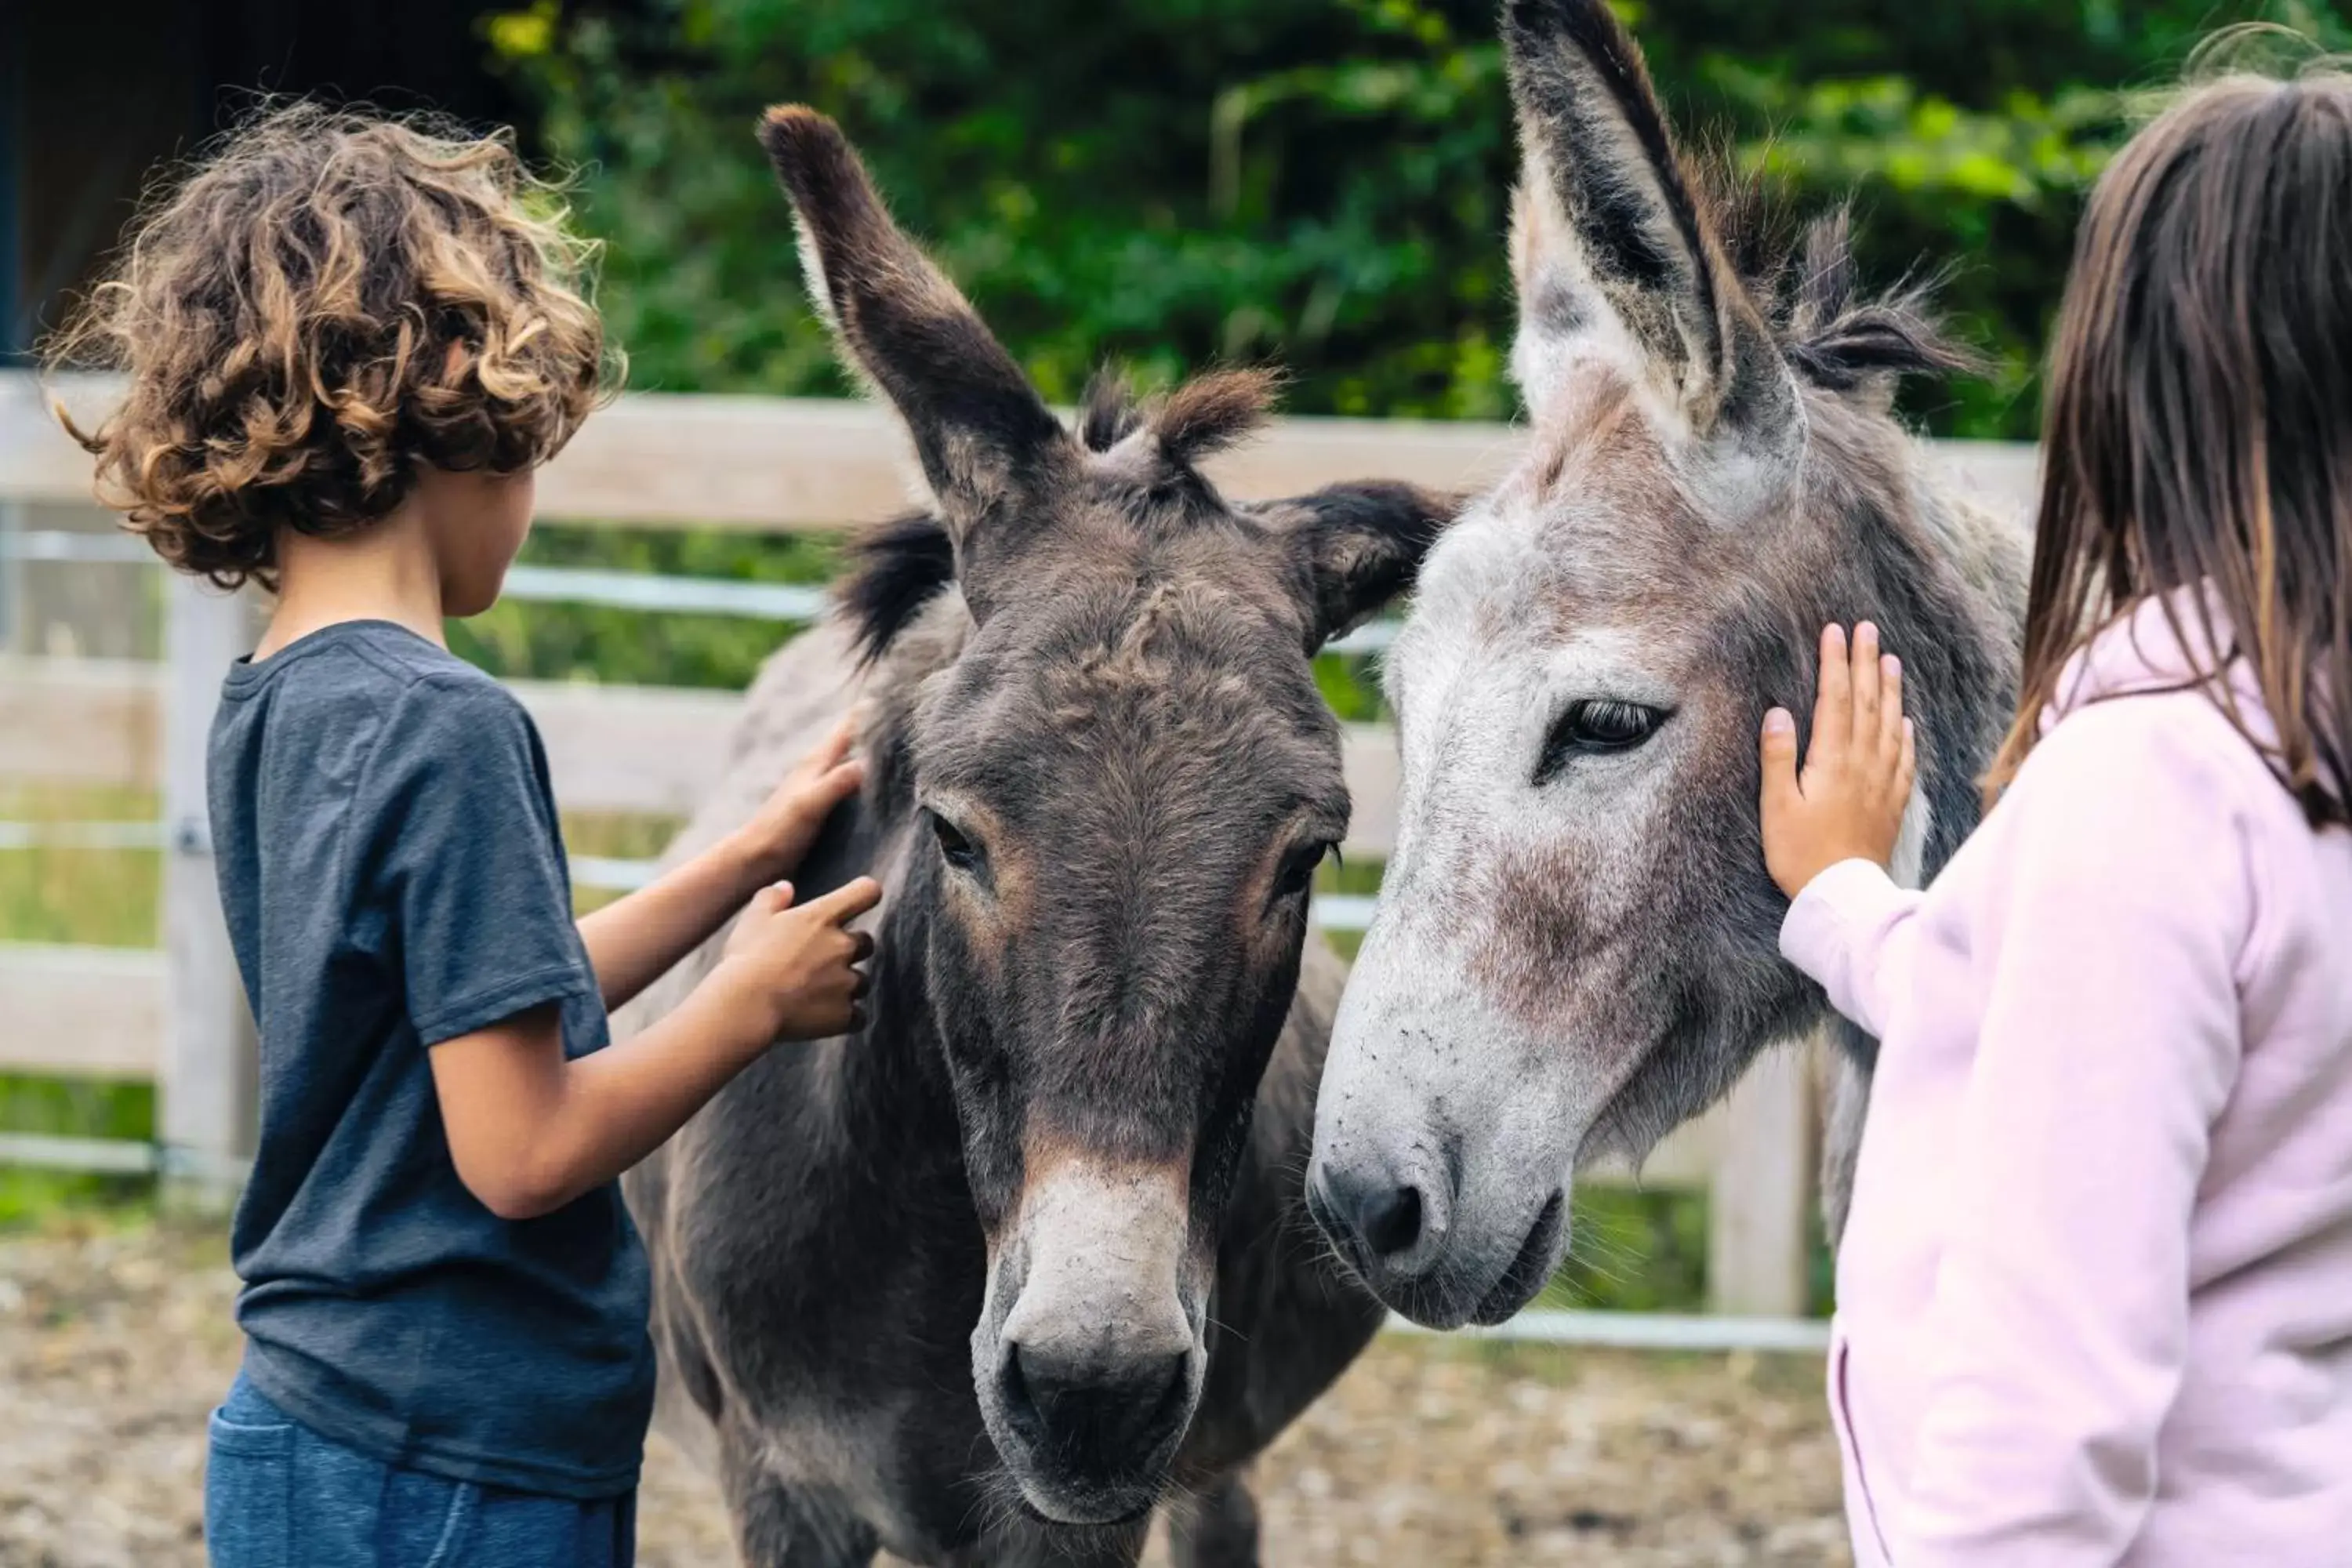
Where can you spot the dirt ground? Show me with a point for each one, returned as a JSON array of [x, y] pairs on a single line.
[[113, 1344]]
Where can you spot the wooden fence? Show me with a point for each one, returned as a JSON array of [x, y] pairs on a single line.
[[176, 1015]]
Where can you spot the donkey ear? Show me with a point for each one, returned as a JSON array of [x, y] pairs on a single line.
[[1608, 241], [980, 428], [1357, 546]]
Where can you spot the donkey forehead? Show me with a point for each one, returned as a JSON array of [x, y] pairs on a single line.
[[1597, 525], [1182, 684], [1534, 570], [1114, 557]]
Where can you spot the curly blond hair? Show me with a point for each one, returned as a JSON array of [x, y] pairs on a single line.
[[328, 302]]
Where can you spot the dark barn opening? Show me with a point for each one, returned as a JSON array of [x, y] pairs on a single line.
[[93, 97]]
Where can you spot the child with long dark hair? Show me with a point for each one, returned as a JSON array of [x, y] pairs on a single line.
[[2096, 1291]]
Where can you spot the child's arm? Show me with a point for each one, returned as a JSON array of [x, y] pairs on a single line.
[[529, 1131], [633, 942], [1829, 833], [2110, 1041]]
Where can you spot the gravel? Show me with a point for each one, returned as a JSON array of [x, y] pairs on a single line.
[[114, 1342]]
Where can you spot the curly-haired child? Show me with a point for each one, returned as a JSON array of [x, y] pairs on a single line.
[[347, 342]]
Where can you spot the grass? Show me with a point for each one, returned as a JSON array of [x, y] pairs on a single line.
[[102, 897]]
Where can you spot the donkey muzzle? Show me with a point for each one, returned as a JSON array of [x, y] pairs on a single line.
[[1388, 1225], [1090, 1379]]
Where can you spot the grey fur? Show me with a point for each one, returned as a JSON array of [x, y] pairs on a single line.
[[1575, 949]]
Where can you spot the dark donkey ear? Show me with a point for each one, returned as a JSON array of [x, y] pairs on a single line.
[[1606, 228], [1357, 546], [981, 430]]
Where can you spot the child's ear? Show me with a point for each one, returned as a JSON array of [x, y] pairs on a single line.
[[1357, 546]]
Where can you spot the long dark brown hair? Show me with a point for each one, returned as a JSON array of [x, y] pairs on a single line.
[[2200, 419]]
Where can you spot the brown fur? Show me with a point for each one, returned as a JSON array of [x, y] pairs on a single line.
[[1205, 417], [1098, 759]]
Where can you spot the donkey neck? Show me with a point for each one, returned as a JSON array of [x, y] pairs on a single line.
[[890, 1084], [1948, 580], [1945, 580], [1970, 599]]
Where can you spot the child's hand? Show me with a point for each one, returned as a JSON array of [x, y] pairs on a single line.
[[1858, 772], [778, 837], [797, 969]]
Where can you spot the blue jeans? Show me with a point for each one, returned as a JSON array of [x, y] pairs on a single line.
[[277, 1495]]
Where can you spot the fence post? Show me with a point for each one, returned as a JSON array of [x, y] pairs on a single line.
[[207, 1090], [11, 577], [1761, 1197]]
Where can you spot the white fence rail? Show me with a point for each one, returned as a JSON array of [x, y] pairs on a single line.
[[176, 1016], [784, 464]]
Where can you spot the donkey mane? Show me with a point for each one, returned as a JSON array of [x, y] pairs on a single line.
[[1833, 334], [1838, 337], [899, 566], [894, 569], [1200, 417]]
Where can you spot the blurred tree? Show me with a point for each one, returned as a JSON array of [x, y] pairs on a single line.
[[1164, 182], [1320, 182]]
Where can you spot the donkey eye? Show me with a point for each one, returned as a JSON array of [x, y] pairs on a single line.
[[1597, 725], [1298, 873], [1603, 725], [958, 850]]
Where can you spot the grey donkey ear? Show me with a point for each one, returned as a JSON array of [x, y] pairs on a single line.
[[1357, 546], [980, 431], [1607, 231]]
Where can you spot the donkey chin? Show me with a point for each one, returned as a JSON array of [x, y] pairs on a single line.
[[1445, 1259], [1447, 1191], [1089, 1357]]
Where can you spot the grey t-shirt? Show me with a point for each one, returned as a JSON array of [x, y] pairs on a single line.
[[394, 878]]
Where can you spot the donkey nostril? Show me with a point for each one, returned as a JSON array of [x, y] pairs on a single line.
[[1020, 1404], [1392, 1221], [1108, 1410], [1376, 1216]]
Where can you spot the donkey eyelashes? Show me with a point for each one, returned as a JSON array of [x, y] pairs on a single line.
[[1596, 727], [955, 848], [1298, 873]]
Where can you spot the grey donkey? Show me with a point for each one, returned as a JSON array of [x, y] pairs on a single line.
[[1575, 947], [987, 1281]]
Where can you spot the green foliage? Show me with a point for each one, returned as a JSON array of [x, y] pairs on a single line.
[[1989, 197], [1164, 183], [73, 1108], [566, 642], [1320, 182]]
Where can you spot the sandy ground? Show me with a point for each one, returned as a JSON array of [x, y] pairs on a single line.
[[113, 1345]]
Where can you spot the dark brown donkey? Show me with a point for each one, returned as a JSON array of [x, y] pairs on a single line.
[[982, 1283]]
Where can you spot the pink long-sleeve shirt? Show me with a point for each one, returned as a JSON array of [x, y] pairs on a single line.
[[2095, 1294]]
